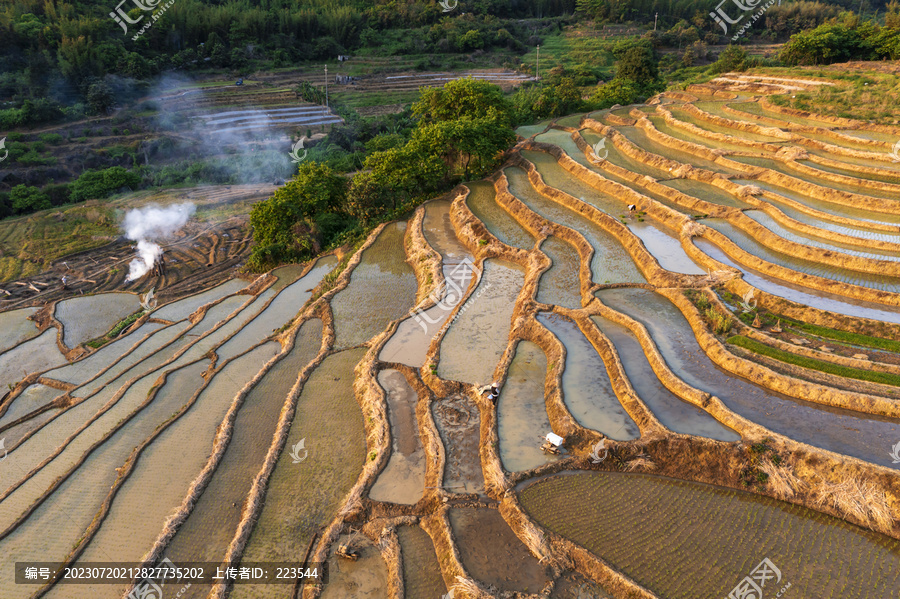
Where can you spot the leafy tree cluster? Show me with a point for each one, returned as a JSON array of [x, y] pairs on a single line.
[[637, 75], [92, 185], [299, 218], [460, 132], [733, 58], [843, 39], [25, 199], [682, 23]]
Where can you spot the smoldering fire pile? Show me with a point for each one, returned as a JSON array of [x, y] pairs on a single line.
[[149, 225]]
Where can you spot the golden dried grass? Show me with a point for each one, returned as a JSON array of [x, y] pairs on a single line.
[[693, 229], [860, 499], [642, 462], [783, 481]]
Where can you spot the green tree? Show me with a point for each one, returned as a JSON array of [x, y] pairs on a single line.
[[616, 91], [25, 199], [77, 58], [285, 226], [93, 185], [395, 178], [471, 40], [548, 101], [638, 63], [100, 98], [468, 146], [892, 18], [827, 44], [732, 58], [463, 97], [315, 188]]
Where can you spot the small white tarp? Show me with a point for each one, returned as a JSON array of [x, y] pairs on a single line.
[[555, 439]]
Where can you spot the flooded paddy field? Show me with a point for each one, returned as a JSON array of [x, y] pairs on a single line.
[[522, 411], [478, 335], [307, 416], [206, 534], [804, 295], [311, 477], [586, 386], [492, 553], [665, 248], [860, 187], [842, 431], [845, 275], [409, 344], [673, 412], [16, 327], [458, 423], [382, 288], [482, 202], [703, 540], [403, 480], [106, 309], [556, 286], [365, 576]]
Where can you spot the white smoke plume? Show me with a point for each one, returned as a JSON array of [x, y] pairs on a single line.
[[148, 225]]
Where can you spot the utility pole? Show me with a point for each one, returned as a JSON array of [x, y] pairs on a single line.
[[655, 20], [326, 87], [538, 69]]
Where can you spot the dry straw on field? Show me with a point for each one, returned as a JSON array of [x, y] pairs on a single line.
[[782, 479], [861, 499], [641, 462]]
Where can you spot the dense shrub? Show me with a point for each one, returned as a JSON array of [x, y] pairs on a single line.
[[732, 58], [291, 225], [100, 184], [51, 138], [25, 199], [617, 91]]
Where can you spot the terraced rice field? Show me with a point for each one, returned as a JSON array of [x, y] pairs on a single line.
[[304, 415], [686, 540]]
